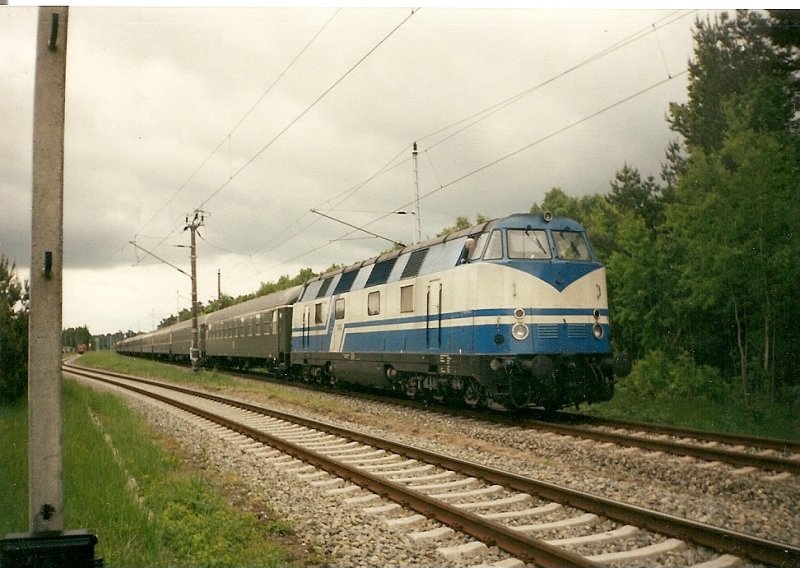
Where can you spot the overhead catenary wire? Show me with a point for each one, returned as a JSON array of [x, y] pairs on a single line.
[[488, 165], [227, 137], [332, 203], [489, 111], [306, 110]]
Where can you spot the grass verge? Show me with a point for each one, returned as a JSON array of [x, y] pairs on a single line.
[[758, 418], [131, 487]]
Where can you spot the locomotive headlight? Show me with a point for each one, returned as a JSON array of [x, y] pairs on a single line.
[[597, 331], [520, 331], [519, 313]]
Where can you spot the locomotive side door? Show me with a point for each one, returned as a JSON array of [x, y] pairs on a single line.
[[306, 330], [433, 315], [338, 325]]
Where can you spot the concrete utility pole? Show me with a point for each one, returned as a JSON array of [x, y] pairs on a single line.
[[47, 544], [45, 499], [193, 225], [417, 220]]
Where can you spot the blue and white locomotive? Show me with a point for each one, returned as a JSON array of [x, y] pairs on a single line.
[[512, 312]]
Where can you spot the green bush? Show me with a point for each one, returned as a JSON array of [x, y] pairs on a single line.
[[659, 376]]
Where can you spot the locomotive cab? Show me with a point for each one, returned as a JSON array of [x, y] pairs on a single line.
[[550, 344]]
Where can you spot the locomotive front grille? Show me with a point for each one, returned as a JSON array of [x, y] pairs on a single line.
[[576, 330], [547, 331]]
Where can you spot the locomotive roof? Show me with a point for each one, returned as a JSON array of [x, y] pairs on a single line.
[[516, 220]]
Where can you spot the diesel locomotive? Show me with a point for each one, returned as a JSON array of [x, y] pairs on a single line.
[[510, 313]]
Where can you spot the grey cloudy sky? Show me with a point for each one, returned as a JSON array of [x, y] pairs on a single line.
[[154, 130]]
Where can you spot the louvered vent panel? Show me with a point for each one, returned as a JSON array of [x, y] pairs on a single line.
[[380, 272], [414, 263], [324, 289], [547, 331], [346, 282]]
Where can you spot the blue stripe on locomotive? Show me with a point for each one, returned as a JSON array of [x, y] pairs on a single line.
[[545, 338], [558, 273]]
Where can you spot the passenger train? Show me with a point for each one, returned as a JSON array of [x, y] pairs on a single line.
[[510, 313]]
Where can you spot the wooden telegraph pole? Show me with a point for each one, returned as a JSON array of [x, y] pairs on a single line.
[[47, 544]]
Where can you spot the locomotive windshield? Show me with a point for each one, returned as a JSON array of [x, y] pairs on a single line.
[[531, 244], [528, 243], [571, 245]]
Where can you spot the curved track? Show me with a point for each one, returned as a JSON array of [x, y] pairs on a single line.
[[480, 501]]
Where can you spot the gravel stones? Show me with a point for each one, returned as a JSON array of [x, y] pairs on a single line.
[[343, 536]]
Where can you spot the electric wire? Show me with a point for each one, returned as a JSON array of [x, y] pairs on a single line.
[[474, 119], [307, 109], [485, 113], [497, 107], [542, 139], [491, 164], [227, 137]]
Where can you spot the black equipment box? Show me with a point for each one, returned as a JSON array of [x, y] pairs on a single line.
[[58, 549]]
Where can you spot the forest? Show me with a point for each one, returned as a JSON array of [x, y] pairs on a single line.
[[704, 262]]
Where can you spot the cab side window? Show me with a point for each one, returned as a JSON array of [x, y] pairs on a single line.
[[494, 250]]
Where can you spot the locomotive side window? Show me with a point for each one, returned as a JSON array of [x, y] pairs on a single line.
[[318, 313], [374, 303], [494, 249], [407, 299], [527, 243], [571, 245], [339, 312], [480, 244]]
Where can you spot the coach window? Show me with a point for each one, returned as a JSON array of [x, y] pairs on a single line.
[[318, 313], [494, 250], [374, 303], [275, 322], [339, 308], [407, 299]]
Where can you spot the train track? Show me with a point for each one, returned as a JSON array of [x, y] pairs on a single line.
[[483, 502], [741, 451]]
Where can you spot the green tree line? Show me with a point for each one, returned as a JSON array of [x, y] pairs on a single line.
[[13, 332], [704, 264]]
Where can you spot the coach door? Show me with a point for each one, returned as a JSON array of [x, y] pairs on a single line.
[[433, 321]]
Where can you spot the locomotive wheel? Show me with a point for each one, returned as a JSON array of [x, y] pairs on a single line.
[[519, 393], [411, 388], [474, 395]]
